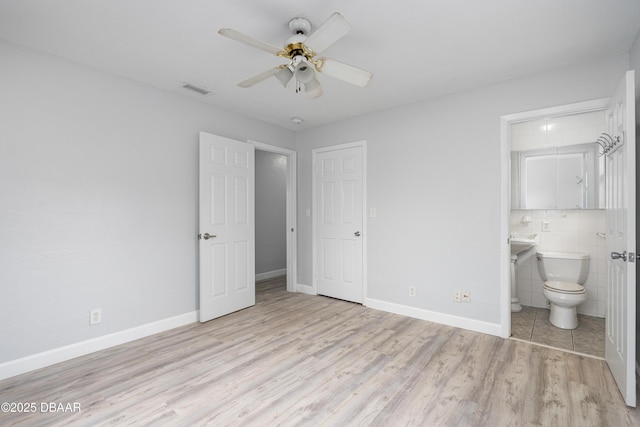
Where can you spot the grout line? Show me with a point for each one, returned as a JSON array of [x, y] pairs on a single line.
[[533, 325], [573, 339]]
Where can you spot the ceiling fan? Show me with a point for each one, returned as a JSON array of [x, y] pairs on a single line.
[[301, 49]]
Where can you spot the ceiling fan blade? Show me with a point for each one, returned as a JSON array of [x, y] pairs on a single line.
[[332, 30], [248, 40], [348, 73], [260, 77]]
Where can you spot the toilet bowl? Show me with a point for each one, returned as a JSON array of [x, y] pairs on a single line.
[[563, 275]]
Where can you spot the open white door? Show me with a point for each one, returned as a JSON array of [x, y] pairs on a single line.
[[620, 351], [226, 226], [338, 219]]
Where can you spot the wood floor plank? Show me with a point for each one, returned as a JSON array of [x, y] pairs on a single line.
[[296, 360]]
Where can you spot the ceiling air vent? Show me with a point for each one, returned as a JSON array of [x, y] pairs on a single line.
[[198, 89]]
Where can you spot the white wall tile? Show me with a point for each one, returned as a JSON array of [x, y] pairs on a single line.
[[557, 131], [571, 231], [590, 308]]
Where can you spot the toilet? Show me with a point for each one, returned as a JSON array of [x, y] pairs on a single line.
[[563, 275]]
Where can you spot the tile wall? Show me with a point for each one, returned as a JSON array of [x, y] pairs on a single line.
[[569, 231], [557, 131]]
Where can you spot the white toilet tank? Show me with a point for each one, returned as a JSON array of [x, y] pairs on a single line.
[[565, 267]]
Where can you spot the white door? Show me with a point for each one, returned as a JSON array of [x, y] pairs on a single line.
[[620, 348], [338, 219], [226, 226]]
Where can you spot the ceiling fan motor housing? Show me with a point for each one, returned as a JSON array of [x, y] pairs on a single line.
[[294, 45], [300, 26]]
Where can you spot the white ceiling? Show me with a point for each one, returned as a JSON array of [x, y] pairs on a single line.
[[416, 50]]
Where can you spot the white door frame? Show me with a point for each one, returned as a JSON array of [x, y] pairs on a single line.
[[292, 227], [314, 240], [505, 192]]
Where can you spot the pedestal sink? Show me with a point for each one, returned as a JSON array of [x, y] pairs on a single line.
[[519, 243], [522, 242]]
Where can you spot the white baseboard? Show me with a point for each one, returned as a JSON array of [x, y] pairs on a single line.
[[61, 354], [306, 289], [271, 274], [432, 316], [68, 352]]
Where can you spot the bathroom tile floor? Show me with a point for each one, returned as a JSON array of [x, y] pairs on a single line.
[[532, 324]]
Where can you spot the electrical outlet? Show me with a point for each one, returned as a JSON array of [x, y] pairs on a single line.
[[466, 296], [412, 291], [457, 296], [96, 316]]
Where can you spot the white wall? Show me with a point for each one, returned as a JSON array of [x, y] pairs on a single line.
[[434, 178], [271, 213], [98, 200]]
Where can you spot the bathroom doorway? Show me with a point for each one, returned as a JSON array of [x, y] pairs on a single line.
[[557, 201], [570, 225], [523, 220], [618, 149]]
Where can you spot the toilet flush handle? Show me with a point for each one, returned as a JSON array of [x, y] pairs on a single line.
[[618, 255]]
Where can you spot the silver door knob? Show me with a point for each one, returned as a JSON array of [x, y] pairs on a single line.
[[357, 234], [208, 236], [618, 255]]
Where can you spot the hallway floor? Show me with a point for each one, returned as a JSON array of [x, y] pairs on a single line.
[[532, 324]]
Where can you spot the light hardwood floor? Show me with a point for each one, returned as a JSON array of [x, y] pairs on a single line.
[[297, 359]]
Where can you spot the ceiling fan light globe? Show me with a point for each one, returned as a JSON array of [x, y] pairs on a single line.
[[304, 73], [284, 76], [313, 88]]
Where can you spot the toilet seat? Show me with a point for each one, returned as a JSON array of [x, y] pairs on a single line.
[[564, 287]]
